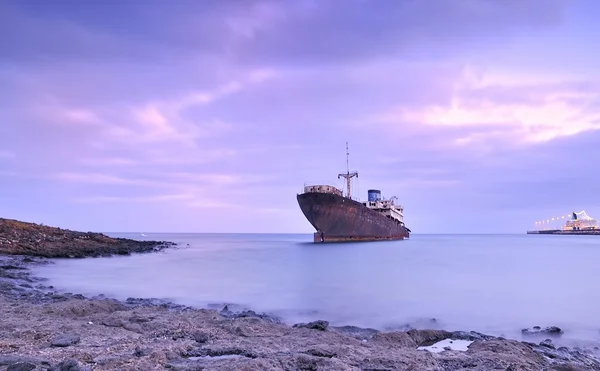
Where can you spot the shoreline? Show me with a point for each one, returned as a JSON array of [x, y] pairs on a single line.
[[44, 326]]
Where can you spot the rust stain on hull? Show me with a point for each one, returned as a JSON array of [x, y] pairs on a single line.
[[327, 238]]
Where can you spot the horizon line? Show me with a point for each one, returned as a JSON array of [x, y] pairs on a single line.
[[310, 233]]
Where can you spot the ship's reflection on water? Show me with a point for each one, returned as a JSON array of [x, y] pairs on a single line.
[[492, 284]]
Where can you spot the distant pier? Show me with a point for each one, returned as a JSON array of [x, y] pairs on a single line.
[[579, 223], [566, 232]]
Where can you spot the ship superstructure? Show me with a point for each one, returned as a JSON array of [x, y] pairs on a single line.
[[577, 223], [337, 217], [581, 221]]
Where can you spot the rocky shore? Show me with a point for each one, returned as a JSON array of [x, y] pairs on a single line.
[[45, 329], [21, 238]]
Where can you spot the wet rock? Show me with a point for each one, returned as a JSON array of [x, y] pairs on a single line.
[[397, 339], [65, 340], [132, 303], [471, 336], [225, 311], [253, 314], [7, 267], [547, 343], [356, 332], [537, 330], [428, 337], [244, 313], [21, 367], [68, 365], [10, 359], [315, 325]]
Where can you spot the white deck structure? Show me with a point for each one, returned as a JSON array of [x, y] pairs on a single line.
[[387, 208], [581, 221]]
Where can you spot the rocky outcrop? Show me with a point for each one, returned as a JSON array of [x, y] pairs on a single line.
[[21, 238]]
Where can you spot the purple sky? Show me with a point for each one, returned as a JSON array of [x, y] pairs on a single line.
[[209, 116]]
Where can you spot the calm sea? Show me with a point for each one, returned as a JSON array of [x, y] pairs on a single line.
[[496, 284]]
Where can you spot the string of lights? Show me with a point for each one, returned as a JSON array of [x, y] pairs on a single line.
[[559, 222]]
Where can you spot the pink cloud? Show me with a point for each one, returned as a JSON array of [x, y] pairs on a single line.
[[535, 113]]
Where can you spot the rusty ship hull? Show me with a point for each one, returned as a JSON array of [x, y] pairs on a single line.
[[341, 219]]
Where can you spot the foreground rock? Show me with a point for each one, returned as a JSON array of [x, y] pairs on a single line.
[[104, 334], [42, 329], [20, 238]]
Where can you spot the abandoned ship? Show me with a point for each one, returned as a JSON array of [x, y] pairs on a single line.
[[339, 218]]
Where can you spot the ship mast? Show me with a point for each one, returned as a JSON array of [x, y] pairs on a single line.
[[348, 174]]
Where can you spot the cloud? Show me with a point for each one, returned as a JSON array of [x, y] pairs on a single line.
[[180, 186], [108, 161], [210, 204], [480, 112], [135, 199], [6, 154], [81, 116], [342, 31], [266, 31], [163, 120], [94, 178]]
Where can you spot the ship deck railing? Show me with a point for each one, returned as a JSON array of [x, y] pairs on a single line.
[[321, 188]]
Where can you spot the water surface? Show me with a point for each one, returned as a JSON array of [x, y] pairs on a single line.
[[495, 284]]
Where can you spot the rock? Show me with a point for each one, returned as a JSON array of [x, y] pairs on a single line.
[[21, 367], [140, 352], [227, 312], [396, 339], [321, 351], [471, 335], [253, 314], [315, 325], [356, 332], [139, 319], [200, 337], [306, 362], [65, 340], [537, 330], [68, 365], [219, 352], [112, 322], [428, 337], [17, 237], [547, 343], [9, 359]]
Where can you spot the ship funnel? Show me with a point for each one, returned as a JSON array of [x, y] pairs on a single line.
[[374, 195]]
